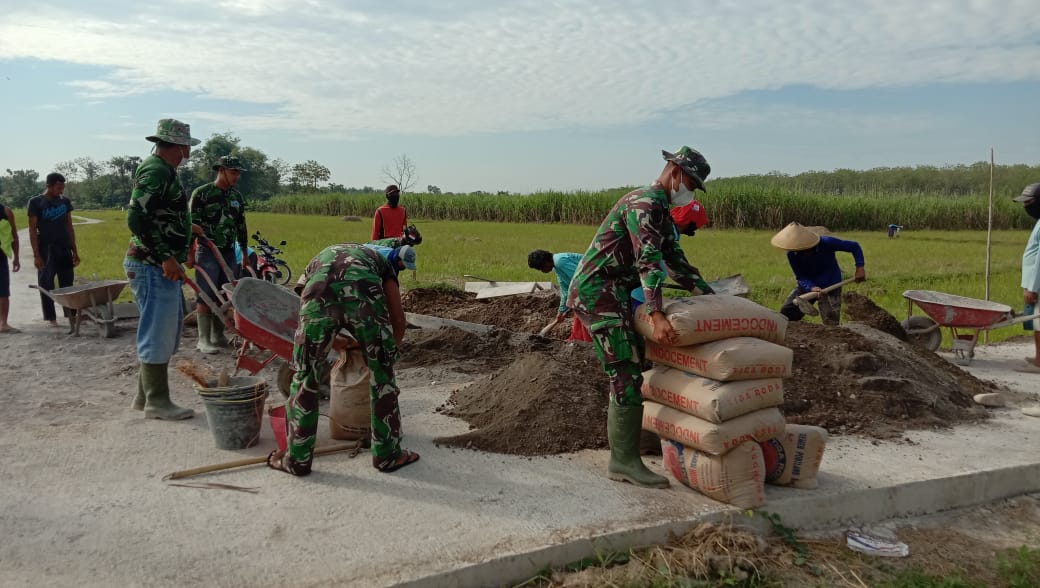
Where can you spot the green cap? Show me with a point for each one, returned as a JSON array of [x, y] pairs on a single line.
[[173, 131], [229, 162]]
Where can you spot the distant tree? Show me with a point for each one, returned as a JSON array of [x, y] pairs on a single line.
[[123, 168], [309, 174], [19, 185], [433, 189], [401, 171], [69, 169]]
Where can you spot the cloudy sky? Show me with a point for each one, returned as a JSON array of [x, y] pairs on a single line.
[[523, 95]]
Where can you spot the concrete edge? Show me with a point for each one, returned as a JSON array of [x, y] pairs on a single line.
[[812, 511]]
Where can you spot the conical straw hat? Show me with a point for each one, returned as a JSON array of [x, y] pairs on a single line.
[[795, 237]]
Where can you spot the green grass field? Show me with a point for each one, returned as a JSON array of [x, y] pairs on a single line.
[[947, 261]]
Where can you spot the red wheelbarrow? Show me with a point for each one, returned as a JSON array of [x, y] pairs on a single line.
[[964, 317], [266, 317]]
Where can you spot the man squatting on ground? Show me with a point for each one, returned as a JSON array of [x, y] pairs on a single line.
[[53, 241], [1030, 201], [220, 210], [815, 265], [8, 248], [160, 227], [348, 286], [627, 250]]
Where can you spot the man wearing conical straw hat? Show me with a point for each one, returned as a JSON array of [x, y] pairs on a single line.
[[811, 253], [626, 252]]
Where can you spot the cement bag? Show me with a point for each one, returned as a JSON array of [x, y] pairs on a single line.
[[713, 438], [708, 399], [350, 409], [740, 358], [737, 478], [794, 457], [699, 319]]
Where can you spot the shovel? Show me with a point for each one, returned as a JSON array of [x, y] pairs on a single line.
[[802, 302], [545, 330], [492, 282]]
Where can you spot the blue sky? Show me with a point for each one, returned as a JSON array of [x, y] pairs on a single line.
[[529, 94]]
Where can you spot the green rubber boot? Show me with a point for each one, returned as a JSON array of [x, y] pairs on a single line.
[[205, 344], [624, 428], [216, 332], [157, 405], [138, 403]]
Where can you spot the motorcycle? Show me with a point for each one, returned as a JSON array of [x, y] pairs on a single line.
[[268, 266]]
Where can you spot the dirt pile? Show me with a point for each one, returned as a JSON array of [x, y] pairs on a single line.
[[539, 395]]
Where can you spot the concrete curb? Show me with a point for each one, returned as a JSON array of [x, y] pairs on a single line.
[[799, 509]]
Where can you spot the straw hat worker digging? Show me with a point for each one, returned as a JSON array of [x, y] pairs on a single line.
[[811, 253]]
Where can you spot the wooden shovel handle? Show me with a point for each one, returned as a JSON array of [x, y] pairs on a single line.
[[811, 295], [227, 465]]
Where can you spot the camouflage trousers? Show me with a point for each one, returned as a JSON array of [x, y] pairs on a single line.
[[621, 352], [368, 321]]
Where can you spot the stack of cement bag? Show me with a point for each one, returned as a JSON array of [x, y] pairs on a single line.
[[714, 397]]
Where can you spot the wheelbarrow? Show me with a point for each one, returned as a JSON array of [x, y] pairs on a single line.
[[92, 301], [964, 317], [266, 316]]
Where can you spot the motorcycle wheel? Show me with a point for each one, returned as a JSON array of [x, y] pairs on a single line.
[[286, 274], [270, 277]]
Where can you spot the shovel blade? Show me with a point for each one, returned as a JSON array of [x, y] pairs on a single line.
[[806, 307]]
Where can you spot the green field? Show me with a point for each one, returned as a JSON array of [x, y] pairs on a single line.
[[947, 261]]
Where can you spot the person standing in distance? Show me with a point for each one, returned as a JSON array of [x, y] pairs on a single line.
[[53, 241]]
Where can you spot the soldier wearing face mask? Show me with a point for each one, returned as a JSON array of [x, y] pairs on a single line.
[[627, 252], [1030, 200], [390, 219]]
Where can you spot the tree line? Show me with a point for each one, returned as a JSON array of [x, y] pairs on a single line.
[[107, 184]]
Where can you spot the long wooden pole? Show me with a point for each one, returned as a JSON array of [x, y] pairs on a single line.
[[227, 465], [989, 234]]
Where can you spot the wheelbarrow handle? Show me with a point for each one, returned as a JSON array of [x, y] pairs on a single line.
[[220, 258]]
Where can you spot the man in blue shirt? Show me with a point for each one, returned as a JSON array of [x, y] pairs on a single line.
[[812, 257], [564, 265]]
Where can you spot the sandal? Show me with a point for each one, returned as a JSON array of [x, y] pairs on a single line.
[[280, 460], [395, 463], [1029, 368]]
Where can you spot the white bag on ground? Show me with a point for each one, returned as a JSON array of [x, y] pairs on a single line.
[[794, 457], [739, 358], [737, 478], [699, 319], [709, 399], [350, 408], [713, 438]]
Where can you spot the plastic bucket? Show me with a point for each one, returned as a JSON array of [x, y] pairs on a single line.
[[236, 414], [277, 417]]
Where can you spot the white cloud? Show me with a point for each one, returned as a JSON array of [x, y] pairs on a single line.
[[464, 67]]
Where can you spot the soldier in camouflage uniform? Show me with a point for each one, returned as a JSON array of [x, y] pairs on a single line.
[[221, 212], [160, 227], [347, 286], [627, 250]]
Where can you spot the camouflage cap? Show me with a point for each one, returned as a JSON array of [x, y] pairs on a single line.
[[229, 162], [171, 130], [691, 162]]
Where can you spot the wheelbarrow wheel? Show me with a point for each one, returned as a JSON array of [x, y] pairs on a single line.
[[930, 340]]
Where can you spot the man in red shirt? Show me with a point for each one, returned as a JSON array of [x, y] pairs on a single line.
[[390, 219]]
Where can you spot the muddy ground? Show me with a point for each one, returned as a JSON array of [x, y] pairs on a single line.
[[536, 395]]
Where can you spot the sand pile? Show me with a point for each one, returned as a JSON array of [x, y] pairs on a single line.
[[537, 396]]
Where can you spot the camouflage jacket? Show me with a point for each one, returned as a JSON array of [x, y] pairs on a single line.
[[628, 248], [336, 268], [221, 214], [158, 215]]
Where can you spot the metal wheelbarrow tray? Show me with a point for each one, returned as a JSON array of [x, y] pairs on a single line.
[[964, 317], [90, 300]]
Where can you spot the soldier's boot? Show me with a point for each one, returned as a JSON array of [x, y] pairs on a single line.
[[138, 403], [216, 332], [205, 345], [624, 428], [156, 385]]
